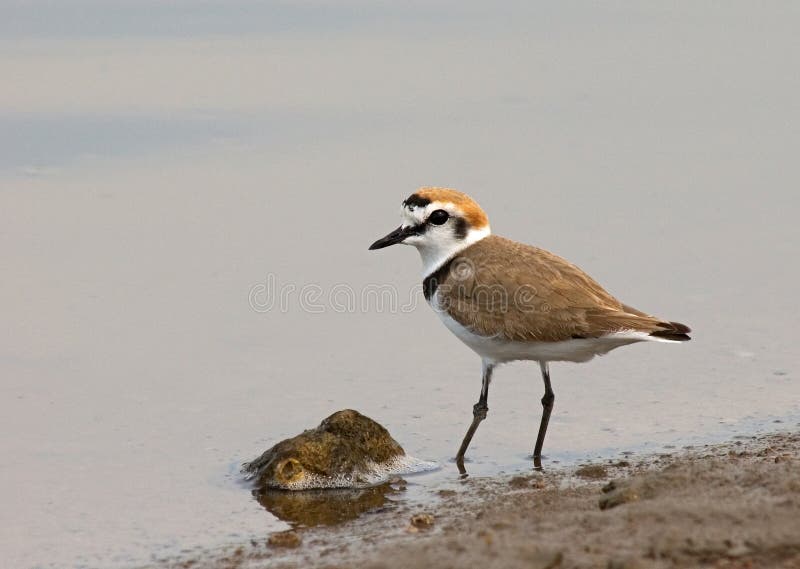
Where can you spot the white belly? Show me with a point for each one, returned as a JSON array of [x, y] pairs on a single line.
[[497, 350]]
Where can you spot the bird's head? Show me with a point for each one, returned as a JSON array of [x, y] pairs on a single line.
[[439, 222]]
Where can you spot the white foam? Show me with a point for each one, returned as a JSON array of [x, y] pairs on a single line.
[[374, 473]]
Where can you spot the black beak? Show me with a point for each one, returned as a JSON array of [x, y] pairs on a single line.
[[397, 236]]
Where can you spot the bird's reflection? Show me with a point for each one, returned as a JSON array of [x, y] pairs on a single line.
[[325, 507]]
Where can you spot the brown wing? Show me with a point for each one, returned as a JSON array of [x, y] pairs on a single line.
[[499, 287]]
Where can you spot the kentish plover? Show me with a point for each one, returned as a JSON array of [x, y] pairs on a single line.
[[510, 301]]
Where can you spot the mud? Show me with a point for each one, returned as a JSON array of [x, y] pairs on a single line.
[[735, 505]]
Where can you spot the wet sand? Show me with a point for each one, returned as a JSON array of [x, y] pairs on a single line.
[[733, 505]]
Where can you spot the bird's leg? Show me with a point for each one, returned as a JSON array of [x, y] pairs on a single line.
[[547, 408], [479, 411]]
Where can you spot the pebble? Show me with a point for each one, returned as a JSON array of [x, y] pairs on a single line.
[[617, 494], [420, 522]]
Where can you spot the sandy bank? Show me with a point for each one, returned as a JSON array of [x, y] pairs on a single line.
[[734, 505]]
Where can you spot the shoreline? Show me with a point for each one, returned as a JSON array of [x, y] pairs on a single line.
[[735, 504]]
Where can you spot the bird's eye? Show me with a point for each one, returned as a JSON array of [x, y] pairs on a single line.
[[438, 217]]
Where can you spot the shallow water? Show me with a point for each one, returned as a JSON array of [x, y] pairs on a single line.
[[164, 178]]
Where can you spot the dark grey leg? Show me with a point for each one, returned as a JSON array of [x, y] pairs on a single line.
[[547, 408], [479, 411]]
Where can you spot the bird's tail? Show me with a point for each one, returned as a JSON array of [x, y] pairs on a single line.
[[655, 327], [674, 331]]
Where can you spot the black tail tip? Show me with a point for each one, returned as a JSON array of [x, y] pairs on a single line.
[[673, 331]]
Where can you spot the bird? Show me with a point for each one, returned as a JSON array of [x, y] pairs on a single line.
[[509, 301]]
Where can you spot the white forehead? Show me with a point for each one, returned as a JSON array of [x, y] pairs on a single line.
[[415, 215]]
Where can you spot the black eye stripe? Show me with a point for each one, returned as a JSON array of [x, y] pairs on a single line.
[[438, 217], [461, 228]]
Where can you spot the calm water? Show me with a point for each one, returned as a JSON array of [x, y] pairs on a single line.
[[165, 169]]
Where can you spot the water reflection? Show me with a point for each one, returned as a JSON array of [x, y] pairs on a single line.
[[326, 507]]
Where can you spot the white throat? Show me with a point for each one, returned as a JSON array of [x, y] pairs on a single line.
[[436, 254]]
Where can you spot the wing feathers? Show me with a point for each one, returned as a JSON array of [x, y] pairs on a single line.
[[502, 288]]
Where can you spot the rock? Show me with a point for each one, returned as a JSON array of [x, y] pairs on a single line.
[[617, 494], [346, 450], [421, 521]]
